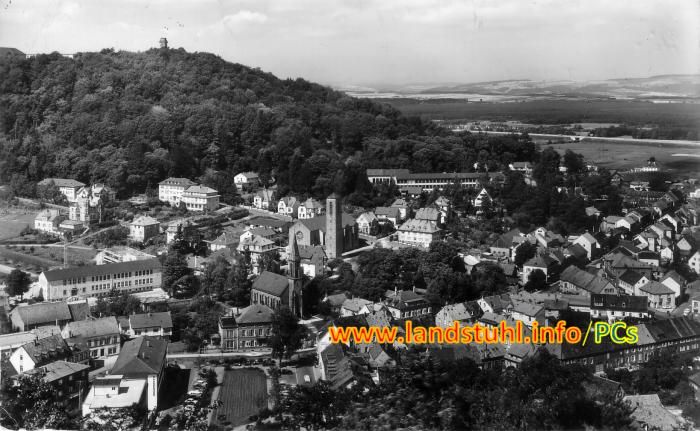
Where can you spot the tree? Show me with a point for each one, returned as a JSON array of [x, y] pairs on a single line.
[[18, 282], [287, 334], [174, 268], [33, 403], [524, 252], [537, 280], [316, 407]]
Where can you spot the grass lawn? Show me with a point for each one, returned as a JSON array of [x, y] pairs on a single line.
[[13, 223], [243, 394]]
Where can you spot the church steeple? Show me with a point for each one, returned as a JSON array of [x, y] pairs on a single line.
[[294, 277], [294, 259]]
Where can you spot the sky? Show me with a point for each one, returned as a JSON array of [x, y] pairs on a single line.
[[372, 42]]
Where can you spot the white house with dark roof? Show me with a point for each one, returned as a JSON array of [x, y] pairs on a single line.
[[143, 228], [67, 186], [200, 199], [310, 208], [29, 316], [385, 214], [418, 232], [589, 243], [98, 335], [660, 297], [674, 281], [171, 190], [366, 221], [246, 179], [528, 313], [40, 351], [630, 281], [577, 281], [289, 206], [353, 306], [451, 313], [263, 199], [48, 220], [249, 329], [159, 324], [406, 303]]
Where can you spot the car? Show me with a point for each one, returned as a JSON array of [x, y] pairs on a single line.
[[686, 311]]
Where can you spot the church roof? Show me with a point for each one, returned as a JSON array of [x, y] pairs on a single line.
[[269, 282]]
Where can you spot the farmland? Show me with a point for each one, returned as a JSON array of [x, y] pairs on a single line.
[[12, 222], [243, 394]]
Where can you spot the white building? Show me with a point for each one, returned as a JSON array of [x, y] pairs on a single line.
[[151, 324], [143, 228], [310, 208], [171, 190], [289, 206], [201, 198], [249, 179], [121, 253], [68, 187], [480, 198], [418, 233], [48, 220], [263, 200]]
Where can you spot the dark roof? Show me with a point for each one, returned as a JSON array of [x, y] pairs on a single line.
[[404, 299], [61, 182], [151, 320], [9, 52], [267, 221], [256, 313], [42, 312], [109, 268], [540, 261], [58, 370], [619, 302], [631, 277], [584, 280], [174, 181], [319, 222], [271, 283], [79, 310], [141, 356], [309, 252], [93, 327], [655, 288], [47, 349]]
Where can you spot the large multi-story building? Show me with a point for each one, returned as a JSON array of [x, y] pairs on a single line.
[[418, 233], [200, 198], [171, 190], [99, 336], [99, 280], [428, 181], [249, 329], [68, 187], [143, 228]]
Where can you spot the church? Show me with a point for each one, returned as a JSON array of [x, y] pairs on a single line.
[[275, 290]]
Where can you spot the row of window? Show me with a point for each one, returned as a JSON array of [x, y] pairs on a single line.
[[102, 341]]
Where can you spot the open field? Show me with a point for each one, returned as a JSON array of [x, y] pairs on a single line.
[[243, 394], [681, 160], [12, 223]]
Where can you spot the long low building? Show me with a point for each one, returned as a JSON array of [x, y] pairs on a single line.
[[430, 180], [99, 280]]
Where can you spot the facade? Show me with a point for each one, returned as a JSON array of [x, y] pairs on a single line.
[[28, 317], [69, 379], [257, 246], [263, 200], [246, 179], [576, 281], [99, 336], [480, 198], [86, 207], [544, 263], [68, 187], [660, 297], [406, 303], [249, 329], [99, 280], [143, 228], [334, 228], [158, 325], [618, 307], [48, 220], [313, 260], [310, 208], [418, 233], [171, 190], [200, 199], [288, 206], [366, 222], [40, 352], [430, 181], [385, 176]]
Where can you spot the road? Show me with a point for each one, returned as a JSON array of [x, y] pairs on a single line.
[[678, 142]]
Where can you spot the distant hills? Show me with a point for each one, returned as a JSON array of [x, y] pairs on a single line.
[[655, 87]]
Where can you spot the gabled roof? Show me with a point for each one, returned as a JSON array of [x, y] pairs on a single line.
[[388, 212], [337, 299], [311, 252], [540, 261], [92, 327], [42, 312], [271, 283], [631, 277], [619, 302], [174, 181], [429, 213], [61, 182], [47, 349], [527, 309], [144, 221], [140, 357], [653, 287], [355, 304], [675, 276], [256, 313], [403, 298], [457, 312], [584, 280], [57, 370], [420, 226], [151, 320]]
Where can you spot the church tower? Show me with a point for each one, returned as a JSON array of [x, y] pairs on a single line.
[[334, 227], [294, 277]]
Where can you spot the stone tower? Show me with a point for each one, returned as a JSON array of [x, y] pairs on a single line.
[[334, 227], [163, 42], [294, 277]]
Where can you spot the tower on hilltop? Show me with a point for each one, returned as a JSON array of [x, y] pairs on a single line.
[[163, 42]]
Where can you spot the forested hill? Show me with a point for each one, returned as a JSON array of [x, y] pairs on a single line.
[[132, 119]]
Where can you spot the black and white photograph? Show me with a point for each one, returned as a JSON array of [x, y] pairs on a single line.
[[310, 215]]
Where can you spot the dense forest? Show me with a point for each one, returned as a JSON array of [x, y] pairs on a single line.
[[132, 119]]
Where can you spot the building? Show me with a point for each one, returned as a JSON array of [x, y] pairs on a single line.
[[263, 200], [257, 247], [388, 214], [135, 378], [86, 207], [524, 167], [313, 260], [171, 190], [576, 281], [385, 176], [40, 352], [275, 290], [99, 280], [121, 253], [674, 281], [660, 297], [418, 233], [228, 239], [367, 222], [430, 181], [406, 303], [26, 317], [158, 325], [12, 341], [460, 312], [250, 329], [480, 198], [694, 262], [246, 180], [289, 206], [310, 208], [618, 307], [314, 231], [98, 335], [589, 243], [143, 228], [542, 262], [334, 220], [68, 187], [528, 313], [69, 379], [48, 220], [630, 281], [200, 199]]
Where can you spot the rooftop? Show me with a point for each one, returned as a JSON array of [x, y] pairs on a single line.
[[109, 268]]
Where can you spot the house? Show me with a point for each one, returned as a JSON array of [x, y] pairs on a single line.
[[248, 330], [246, 180], [257, 247], [40, 352], [26, 317], [618, 307], [135, 378], [461, 312], [649, 257], [648, 413], [495, 304], [577, 281], [263, 199], [335, 367], [48, 220], [694, 262], [227, 240], [524, 167], [528, 313], [593, 212], [313, 260], [353, 307], [504, 245], [406, 303], [310, 208], [200, 199], [99, 280], [589, 243], [402, 205], [685, 245], [542, 262], [336, 300], [100, 336], [143, 228], [659, 296], [390, 214], [418, 232], [429, 214], [172, 189], [87, 208], [630, 281], [157, 324], [367, 222], [68, 187], [480, 198], [14, 340], [68, 379], [289, 206]]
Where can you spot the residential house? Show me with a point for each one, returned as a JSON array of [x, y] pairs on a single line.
[[674, 281], [418, 232], [659, 296], [406, 303], [257, 247], [336, 300], [402, 205], [524, 167], [388, 214], [48, 220], [310, 208], [618, 307], [68, 379], [42, 351], [480, 198], [460, 312], [121, 253], [200, 199], [589, 243], [249, 329], [135, 378], [156, 324], [354, 307], [313, 260], [630, 281], [694, 262], [68, 187], [263, 199], [429, 214], [26, 317], [100, 336], [579, 282], [172, 189], [143, 228], [246, 180], [229, 239], [542, 262], [289, 206], [367, 222], [495, 304], [528, 313]]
